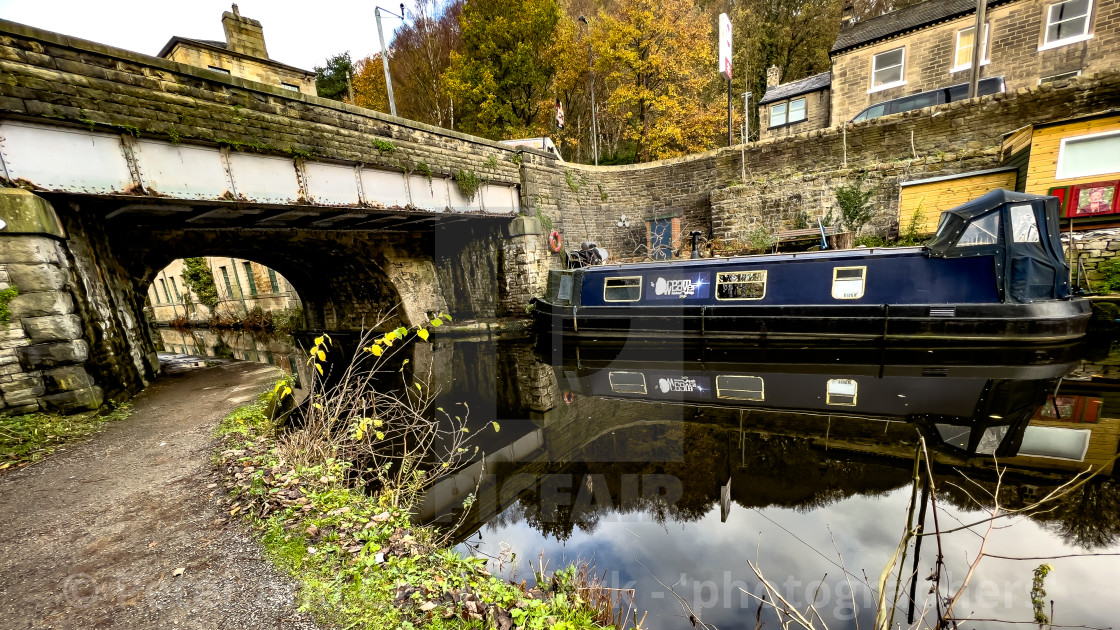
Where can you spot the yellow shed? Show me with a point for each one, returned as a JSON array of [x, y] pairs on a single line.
[[922, 201]]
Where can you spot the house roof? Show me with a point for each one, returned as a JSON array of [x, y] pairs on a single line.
[[221, 46], [903, 20], [796, 88]]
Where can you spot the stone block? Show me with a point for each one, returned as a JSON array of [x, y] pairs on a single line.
[[23, 389], [24, 212], [37, 277], [19, 248], [74, 400], [41, 304], [68, 378], [48, 355], [524, 225], [52, 328]]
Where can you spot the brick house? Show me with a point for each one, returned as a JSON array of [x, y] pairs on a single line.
[[242, 55], [928, 46]]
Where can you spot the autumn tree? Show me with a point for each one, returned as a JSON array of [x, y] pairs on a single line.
[[331, 79], [501, 78], [658, 60], [794, 35], [369, 84]]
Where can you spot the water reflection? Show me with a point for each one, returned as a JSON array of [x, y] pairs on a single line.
[[679, 465], [226, 344]]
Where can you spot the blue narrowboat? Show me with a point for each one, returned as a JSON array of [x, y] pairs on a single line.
[[993, 272]]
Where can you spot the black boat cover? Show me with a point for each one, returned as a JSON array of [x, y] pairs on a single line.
[[1030, 263]]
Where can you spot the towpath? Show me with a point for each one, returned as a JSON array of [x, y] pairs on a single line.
[[93, 537]]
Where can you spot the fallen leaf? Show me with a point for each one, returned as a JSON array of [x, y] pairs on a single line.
[[178, 572], [427, 606]]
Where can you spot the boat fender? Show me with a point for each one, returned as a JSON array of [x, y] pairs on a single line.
[[554, 241], [568, 398]]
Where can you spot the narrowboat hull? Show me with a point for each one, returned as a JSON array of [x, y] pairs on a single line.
[[1050, 321]]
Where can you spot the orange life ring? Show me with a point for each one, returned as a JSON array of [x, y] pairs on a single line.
[[554, 241], [568, 398]]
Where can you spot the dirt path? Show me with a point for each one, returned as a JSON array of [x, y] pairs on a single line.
[[92, 537]]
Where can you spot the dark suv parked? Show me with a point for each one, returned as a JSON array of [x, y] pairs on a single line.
[[990, 85]]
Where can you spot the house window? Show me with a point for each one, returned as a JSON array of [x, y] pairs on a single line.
[[887, 69], [741, 285], [627, 382], [289, 86], [166, 295], [1085, 156], [175, 287], [797, 110], [225, 276], [622, 289], [962, 57], [848, 283], [735, 387], [217, 69], [778, 114], [249, 275], [1067, 22], [841, 391], [272, 280]]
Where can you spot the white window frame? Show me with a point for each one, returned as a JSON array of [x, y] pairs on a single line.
[[1059, 174], [1059, 77], [804, 110], [986, 42], [785, 113], [862, 287], [874, 69], [1047, 23]]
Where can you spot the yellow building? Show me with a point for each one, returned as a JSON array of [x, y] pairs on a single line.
[[242, 286], [242, 55]]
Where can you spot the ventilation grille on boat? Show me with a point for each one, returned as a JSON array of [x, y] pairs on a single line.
[[942, 311], [929, 371]]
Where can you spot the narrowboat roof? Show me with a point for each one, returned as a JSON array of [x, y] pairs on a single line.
[[722, 260]]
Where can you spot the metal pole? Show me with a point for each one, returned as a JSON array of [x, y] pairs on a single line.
[[730, 129], [591, 88], [977, 47], [746, 117], [385, 63]]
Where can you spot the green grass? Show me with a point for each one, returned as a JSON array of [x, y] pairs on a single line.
[[28, 438], [330, 538]]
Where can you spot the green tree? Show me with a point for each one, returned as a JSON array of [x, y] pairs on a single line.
[[331, 80], [200, 281], [501, 78]]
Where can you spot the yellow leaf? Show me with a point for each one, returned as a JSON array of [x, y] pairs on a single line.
[[418, 387], [422, 333], [445, 316], [377, 351], [320, 368], [328, 338], [380, 435], [318, 341], [378, 423], [322, 356], [436, 323], [358, 434], [496, 427]]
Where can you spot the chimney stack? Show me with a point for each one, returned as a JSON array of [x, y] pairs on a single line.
[[773, 76], [244, 35]]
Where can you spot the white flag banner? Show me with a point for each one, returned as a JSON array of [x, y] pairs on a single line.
[[725, 46]]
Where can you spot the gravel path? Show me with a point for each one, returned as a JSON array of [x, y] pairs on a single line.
[[93, 537]]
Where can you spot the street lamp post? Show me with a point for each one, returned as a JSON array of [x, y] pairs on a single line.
[[384, 55], [591, 88]]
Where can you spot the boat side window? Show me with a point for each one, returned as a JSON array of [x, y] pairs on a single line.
[[848, 283], [1024, 228], [841, 391], [737, 387], [627, 382], [565, 290], [741, 285], [622, 289], [982, 231]]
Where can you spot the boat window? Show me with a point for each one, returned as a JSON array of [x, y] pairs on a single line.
[[565, 290], [623, 289], [741, 285], [841, 391], [1023, 226], [982, 231], [736, 387], [848, 282], [627, 382]]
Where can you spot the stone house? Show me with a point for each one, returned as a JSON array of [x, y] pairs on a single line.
[[928, 46], [794, 107], [242, 55], [242, 286]]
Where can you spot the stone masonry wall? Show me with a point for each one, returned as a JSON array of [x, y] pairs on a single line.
[[1094, 248], [790, 173]]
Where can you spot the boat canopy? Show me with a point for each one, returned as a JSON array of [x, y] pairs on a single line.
[[1020, 231]]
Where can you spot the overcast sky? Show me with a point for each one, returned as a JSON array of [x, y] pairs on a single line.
[[302, 34]]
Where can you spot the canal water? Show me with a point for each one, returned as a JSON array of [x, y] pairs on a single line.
[[672, 470]]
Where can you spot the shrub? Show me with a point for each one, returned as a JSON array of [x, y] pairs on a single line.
[[200, 281], [760, 239], [854, 202], [1109, 281]]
